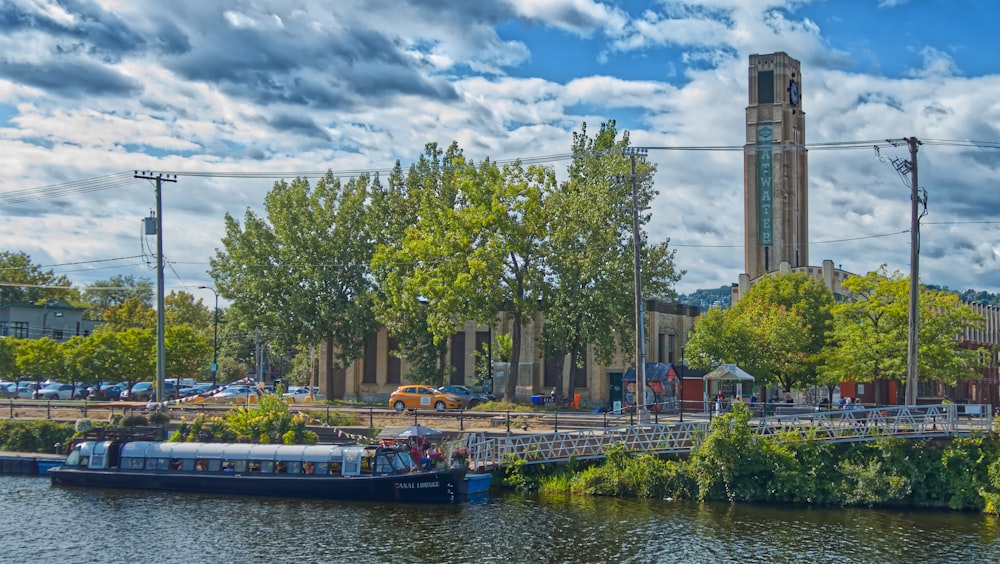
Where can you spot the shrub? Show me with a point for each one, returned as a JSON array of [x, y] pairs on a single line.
[[33, 436]]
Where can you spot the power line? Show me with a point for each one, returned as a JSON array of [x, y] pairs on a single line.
[[125, 178]]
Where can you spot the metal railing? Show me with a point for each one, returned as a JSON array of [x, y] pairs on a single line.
[[923, 421]]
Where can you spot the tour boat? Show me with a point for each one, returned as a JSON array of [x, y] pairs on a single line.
[[348, 472]]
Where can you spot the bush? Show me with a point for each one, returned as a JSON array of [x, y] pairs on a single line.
[[33, 436], [135, 421]]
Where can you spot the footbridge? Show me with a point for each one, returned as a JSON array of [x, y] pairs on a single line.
[[909, 422]]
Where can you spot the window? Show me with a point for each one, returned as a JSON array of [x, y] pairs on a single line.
[[765, 87], [57, 335], [19, 329]]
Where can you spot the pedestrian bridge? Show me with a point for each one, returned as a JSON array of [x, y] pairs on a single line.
[[908, 422]]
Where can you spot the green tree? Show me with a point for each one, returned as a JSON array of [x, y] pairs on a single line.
[[38, 359], [394, 209], [188, 351], [105, 294], [475, 249], [181, 308], [8, 358], [302, 273], [775, 332], [131, 313], [870, 333], [589, 257], [16, 268]]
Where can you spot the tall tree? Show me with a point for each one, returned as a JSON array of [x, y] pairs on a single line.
[[302, 273], [589, 257], [181, 308], [393, 210], [476, 249], [22, 281], [870, 332]]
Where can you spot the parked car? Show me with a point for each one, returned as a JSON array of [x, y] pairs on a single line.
[[297, 394], [107, 392], [146, 391], [196, 390], [235, 394], [469, 398], [422, 397], [8, 390], [59, 392]]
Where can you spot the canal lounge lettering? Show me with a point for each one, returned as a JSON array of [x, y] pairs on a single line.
[[418, 485]]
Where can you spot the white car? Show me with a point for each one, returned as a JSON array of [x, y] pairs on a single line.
[[297, 393], [59, 392], [235, 393]]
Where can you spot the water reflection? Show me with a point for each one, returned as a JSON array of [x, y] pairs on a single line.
[[40, 523]]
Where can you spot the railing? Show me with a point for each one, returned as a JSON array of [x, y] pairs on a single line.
[[924, 421]]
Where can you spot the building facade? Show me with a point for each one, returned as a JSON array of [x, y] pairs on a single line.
[[775, 179], [56, 319], [374, 376]]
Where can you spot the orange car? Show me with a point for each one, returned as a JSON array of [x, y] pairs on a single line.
[[417, 396]]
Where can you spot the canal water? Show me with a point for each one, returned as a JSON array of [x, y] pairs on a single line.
[[41, 523]]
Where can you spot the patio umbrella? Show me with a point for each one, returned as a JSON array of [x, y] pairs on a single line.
[[419, 431]]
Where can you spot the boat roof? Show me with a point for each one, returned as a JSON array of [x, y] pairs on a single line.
[[237, 451]]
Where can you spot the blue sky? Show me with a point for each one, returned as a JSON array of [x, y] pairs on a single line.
[[97, 87]]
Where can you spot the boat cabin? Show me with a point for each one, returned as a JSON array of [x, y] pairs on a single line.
[[239, 458]]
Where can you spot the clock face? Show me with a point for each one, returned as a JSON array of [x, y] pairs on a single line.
[[793, 92]]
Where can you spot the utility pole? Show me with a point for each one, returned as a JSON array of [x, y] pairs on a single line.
[[634, 153], [161, 358], [918, 198]]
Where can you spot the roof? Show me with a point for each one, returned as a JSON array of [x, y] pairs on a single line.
[[729, 372]]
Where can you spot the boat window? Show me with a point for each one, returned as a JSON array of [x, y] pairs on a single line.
[[84, 460], [97, 461], [200, 465], [267, 466], [323, 468], [401, 460], [294, 467], [176, 463], [253, 466], [382, 465], [188, 465], [214, 465], [239, 465], [366, 465], [74, 458], [162, 464], [130, 463], [308, 468], [335, 468]]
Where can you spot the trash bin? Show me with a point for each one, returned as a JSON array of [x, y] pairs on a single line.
[[538, 399]]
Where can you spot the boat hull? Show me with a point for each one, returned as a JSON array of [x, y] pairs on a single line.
[[447, 486]]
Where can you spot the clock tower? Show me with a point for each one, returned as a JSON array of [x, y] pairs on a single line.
[[776, 210]]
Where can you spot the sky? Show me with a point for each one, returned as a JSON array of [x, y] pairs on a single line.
[[92, 90]]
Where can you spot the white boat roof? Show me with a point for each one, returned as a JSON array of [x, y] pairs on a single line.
[[236, 451]]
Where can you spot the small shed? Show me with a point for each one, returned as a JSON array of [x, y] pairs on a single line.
[[730, 379]]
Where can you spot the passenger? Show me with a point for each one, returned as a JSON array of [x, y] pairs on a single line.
[[425, 458], [308, 468], [415, 455]]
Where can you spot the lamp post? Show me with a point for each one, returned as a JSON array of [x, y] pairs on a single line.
[[45, 317], [215, 337], [683, 371]]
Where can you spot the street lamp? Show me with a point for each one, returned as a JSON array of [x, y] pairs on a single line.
[[683, 371], [215, 337], [45, 317]]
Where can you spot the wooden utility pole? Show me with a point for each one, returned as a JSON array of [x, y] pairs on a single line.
[[642, 412], [161, 358]]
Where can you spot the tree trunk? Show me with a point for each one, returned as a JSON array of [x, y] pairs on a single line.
[[557, 397], [515, 358]]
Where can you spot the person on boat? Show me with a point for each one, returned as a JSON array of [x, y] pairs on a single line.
[[425, 457], [415, 454]]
